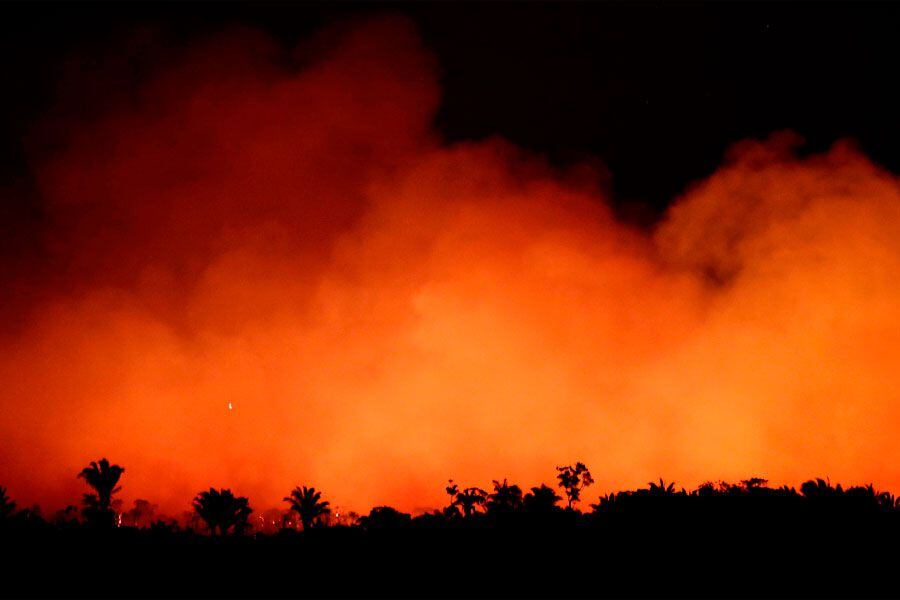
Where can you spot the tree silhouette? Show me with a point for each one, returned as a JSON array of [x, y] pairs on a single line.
[[30, 515], [452, 510], [141, 515], [103, 478], [887, 501], [573, 479], [505, 498], [541, 500], [708, 489], [7, 506], [66, 517], [384, 518], [820, 488], [190, 520], [661, 489], [222, 510], [161, 527], [306, 502], [754, 483], [468, 499], [611, 502]]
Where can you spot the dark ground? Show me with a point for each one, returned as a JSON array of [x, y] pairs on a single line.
[[670, 547]]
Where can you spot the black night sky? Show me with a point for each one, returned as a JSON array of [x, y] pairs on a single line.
[[656, 90]]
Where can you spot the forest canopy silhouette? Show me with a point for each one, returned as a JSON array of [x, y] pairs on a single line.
[[261, 265], [504, 541]]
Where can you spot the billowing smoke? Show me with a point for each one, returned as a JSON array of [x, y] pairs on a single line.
[[263, 268]]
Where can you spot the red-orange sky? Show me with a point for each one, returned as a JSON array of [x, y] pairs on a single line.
[[288, 234]]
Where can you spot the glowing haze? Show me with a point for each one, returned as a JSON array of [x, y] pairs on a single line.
[[284, 231]]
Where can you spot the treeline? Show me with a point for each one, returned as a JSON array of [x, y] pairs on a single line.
[[220, 512], [718, 540]]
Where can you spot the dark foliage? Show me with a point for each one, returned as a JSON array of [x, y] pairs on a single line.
[[103, 477], [222, 511], [468, 500], [7, 506], [720, 539], [307, 503], [506, 499], [573, 479]]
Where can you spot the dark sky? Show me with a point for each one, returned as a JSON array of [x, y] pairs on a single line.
[[656, 90]]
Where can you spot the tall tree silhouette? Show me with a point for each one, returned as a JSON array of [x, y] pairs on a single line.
[[222, 510], [7, 506], [307, 503], [573, 479], [505, 498], [103, 478]]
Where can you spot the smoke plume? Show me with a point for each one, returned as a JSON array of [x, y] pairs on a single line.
[[262, 267]]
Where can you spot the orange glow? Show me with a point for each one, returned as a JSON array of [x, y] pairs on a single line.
[[268, 276]]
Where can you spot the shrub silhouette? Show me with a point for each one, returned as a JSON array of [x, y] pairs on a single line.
[[307, 503], [222, 511], [103, 478]]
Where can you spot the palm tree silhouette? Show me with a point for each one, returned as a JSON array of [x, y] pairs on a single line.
[[469, 500], [7, 506], [306, 502], [222, 510], [611, 502], [102, 477], [504, 499], [661, 489]]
